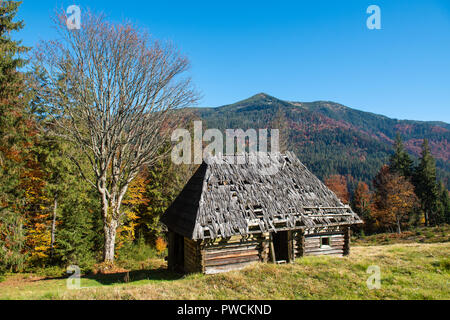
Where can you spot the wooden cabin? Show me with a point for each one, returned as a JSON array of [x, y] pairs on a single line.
[[231, 214]]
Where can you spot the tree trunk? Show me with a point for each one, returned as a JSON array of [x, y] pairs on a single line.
[[110, 230], [399, 230], [426, 218], [52, 245], [111, 217]]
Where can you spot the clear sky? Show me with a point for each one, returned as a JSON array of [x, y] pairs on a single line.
[[296, 50]]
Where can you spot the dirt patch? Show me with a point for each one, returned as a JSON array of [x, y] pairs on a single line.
[[21, 280]]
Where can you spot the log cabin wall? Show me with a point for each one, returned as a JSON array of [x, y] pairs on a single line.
[[193, 256], [324, 244], [298, 238], [221, 255], [233, 253]]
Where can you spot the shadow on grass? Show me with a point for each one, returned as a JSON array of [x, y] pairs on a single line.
[[161, 274]]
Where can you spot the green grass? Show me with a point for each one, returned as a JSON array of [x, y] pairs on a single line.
[[408, 271], [419, 235]]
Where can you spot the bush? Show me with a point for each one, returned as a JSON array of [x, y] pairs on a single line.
[[161, 246], [51, 271], [139, 251]]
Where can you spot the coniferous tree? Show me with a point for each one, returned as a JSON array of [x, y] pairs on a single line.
[[78, 233], [400, 162], [425, 184], [444, 204], [14, 139]]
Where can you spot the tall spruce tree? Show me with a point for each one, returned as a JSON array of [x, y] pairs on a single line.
[[400, 162], [444, 204], [14, 136], [425, 184]]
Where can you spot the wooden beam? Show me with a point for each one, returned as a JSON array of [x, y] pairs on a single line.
[[347, 234], [272, 249]]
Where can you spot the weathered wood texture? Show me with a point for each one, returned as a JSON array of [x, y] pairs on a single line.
[[231, 254], [313, 244], [264, 249], [238, 195], [193, 256], [347, 236], [298, 243]]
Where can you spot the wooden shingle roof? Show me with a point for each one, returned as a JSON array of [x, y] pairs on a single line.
[[239, 194]]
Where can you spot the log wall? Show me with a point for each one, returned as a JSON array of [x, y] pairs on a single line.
[[233, 253], [312, 245], [298, 243], [236, 252], [193, 256]]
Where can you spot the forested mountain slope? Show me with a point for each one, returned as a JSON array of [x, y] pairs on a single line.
[[331, 138]]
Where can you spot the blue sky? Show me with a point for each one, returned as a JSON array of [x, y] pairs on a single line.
[[296, 50]]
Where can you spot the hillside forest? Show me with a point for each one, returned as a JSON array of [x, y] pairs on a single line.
[[85, 170]]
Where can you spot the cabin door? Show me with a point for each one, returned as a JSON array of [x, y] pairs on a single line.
[[281, 246]]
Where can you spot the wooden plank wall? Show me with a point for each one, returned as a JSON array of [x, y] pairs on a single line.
[[312, 245], [193, 256], [237, 252], [231, 254]]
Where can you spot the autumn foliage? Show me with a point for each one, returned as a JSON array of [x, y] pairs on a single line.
[[160, 245], [338, 184], [394, 200]]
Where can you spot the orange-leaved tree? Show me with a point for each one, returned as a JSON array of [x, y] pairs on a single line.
[[338, 184], [394, 199]]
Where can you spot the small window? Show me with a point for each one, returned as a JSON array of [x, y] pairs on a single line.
[[325, 241]]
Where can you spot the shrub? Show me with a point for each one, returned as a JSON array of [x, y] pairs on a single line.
[[139, 251], [160, 245]]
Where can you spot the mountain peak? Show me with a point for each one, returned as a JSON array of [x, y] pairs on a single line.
[[262, 95]]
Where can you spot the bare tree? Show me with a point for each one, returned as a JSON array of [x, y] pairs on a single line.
[[111, 91]]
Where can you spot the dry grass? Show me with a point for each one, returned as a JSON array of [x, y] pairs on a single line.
[[408, 271], [419, 235]]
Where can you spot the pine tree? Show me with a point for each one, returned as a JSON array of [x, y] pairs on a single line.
[[58, 180], [14, 136], [444, 204], [77, 226], [425, 184], [79, 229], [400, 162]]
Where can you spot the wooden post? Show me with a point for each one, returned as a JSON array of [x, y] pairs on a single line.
[[272, 249], [301, 244], [347, 233], [202, 253], [264, 247], [290, 247]]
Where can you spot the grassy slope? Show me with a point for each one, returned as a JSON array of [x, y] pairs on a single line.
[[419, 235], [408, 271]]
